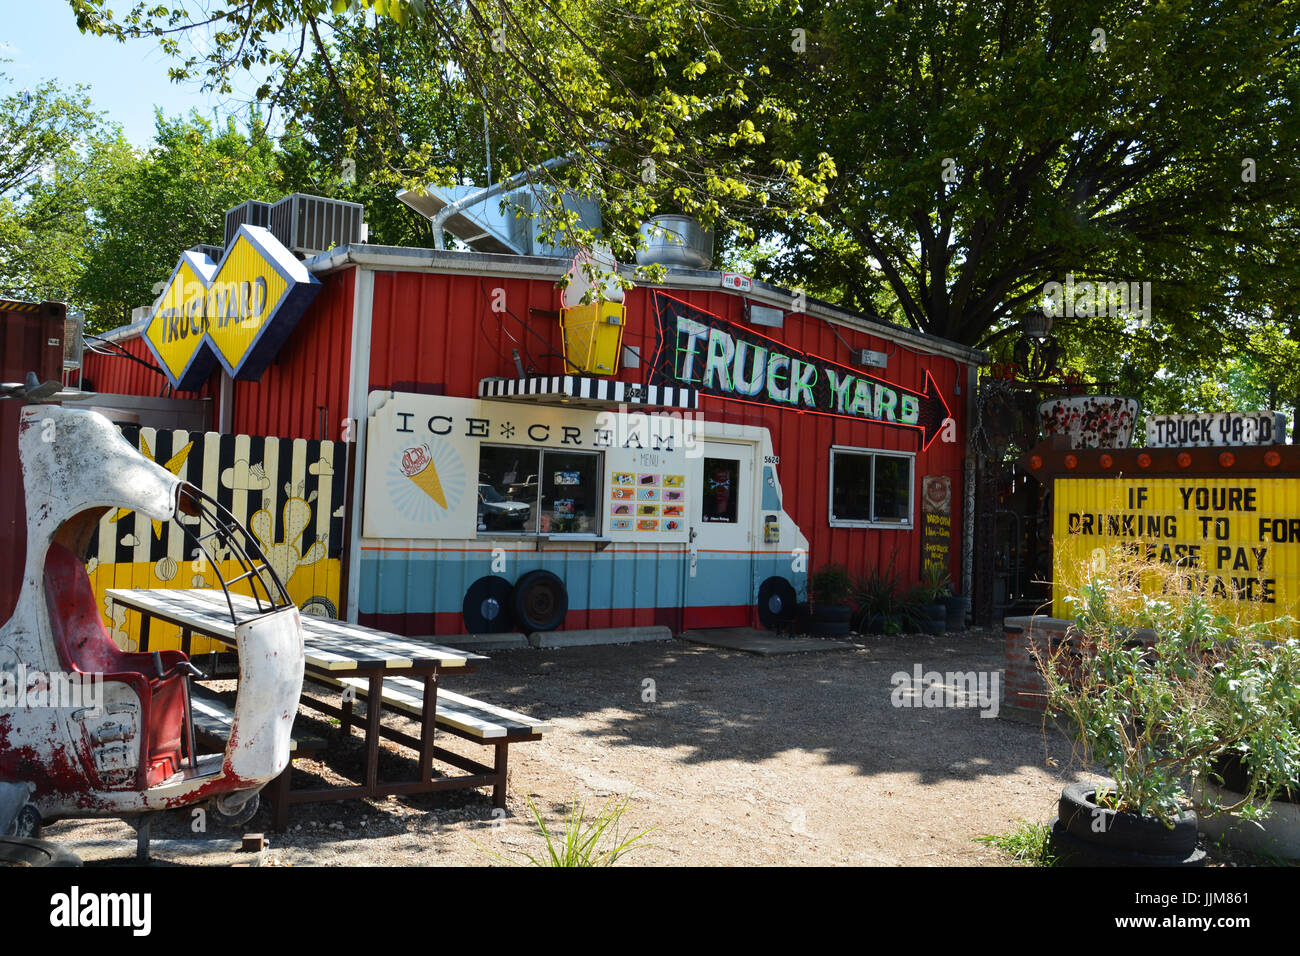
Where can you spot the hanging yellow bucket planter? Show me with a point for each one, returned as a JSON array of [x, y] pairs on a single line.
[[593, 336]]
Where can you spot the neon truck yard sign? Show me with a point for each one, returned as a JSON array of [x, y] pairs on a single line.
[[705, 352]]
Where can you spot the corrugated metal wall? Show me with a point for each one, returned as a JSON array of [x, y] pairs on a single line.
[[304, 392], [803, 441], [26, 332], [442, 334]]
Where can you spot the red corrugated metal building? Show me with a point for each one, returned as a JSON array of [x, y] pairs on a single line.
[[433, 323]]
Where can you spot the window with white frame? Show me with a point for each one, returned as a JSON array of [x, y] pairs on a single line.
[[871, 488]]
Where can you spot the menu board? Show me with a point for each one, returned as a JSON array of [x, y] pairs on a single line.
[[647, 501]]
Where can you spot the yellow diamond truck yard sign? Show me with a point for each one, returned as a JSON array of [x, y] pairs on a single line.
[[237, 313]]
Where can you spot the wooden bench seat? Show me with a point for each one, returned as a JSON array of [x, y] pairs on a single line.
[[457, 714], [465, 716]]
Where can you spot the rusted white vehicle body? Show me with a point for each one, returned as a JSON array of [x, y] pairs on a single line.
[[116, 750]]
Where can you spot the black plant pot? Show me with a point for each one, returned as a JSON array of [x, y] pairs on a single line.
[[933, 618], [1086, 834], [958, 606]]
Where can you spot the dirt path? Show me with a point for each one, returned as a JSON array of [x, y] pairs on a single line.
[[733, 759]]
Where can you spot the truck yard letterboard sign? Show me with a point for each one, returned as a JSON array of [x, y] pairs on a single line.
[[1216, 428], [703, 351]]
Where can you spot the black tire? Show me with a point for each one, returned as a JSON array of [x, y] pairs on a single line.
[[1128, 832], [824, 628], [834, 614], [540, 601], [777, 603], [488, 606], [24, 851], [1069, 850]]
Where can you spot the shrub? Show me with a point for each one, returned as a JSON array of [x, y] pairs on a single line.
[[1161, 684], [829, 585]]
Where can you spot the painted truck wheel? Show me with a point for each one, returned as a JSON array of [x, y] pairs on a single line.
[[487, 606], [541, 602], [777, 602]]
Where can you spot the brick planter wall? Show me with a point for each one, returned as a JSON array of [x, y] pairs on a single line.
[[1024, 693]]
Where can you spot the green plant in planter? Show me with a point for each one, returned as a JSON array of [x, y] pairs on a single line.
[[830, 586], [936, 584], [1156, 717], [915, 608], [875, 594]]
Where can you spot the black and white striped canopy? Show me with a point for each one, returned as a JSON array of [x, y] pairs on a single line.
[[585, 390]]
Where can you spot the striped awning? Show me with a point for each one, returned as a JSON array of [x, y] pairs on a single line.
[[582, 390]]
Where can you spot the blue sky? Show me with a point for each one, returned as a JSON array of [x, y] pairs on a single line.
[[40, 40]]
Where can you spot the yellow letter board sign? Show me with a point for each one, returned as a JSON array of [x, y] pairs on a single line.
[[1239, 536], [238, 313]]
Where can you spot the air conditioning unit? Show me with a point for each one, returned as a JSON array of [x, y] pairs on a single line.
[[212, 252], [73, 343], [253, 213], [309, 225]]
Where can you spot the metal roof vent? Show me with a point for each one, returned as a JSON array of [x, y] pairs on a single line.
[[212, 252], [676, 241]]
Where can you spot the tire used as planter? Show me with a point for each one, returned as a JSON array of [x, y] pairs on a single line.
[[777, 603], [933, 619], [487, 606], [1086, 834], [829, 620], [957, 607], [540, 601]]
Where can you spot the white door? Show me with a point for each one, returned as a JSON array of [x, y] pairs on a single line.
[[721, 491]]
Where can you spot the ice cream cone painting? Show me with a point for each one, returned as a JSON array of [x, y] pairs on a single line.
[[418, 466]]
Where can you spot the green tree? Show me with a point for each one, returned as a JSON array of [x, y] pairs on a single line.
[[551, 74], [149, 207], [45, 177], [935, 161]]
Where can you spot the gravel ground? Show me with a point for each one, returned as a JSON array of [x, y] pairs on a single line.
[[738, 760]]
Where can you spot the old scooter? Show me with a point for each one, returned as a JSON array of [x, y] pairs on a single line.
[[86, 728]]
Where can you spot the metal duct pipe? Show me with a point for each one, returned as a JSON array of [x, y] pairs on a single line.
[[518, 179]]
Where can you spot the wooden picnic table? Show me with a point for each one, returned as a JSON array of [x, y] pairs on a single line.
[[333, 649]]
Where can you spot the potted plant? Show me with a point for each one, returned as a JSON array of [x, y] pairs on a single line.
[[928, 597], [828, 593], [1158, 686], [875, 594], [1251, 797], [956, 606]]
